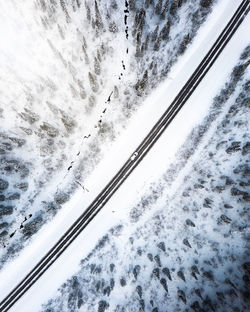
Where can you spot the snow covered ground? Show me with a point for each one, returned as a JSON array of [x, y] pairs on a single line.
[[143, 212], [187, 248], [55, 131]]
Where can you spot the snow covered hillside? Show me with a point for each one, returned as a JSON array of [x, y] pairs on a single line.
[[72, 74], [81, 84], [190, 251]]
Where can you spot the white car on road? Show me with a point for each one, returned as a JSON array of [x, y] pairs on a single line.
[[133, 157]]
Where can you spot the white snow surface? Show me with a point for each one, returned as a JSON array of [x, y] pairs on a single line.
[[157, 161]]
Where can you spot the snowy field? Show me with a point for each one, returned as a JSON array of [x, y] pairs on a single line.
[[175, 235]]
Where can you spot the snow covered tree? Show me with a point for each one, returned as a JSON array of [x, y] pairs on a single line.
[[93, 83], [64, 8], [97, 66], [141, 84], [158, 7], [184, 43], [165, 31], [206, 3], [132, 4], [155, 33], [98, 17]]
